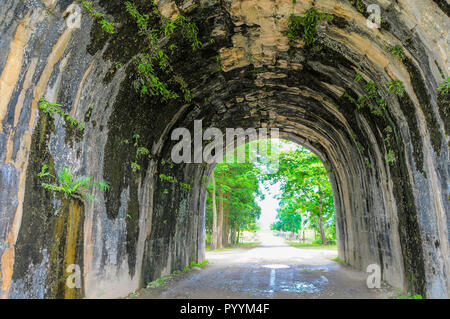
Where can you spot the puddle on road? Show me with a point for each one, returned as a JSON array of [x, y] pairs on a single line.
[[308, 281], [297, 287], [301, 287], [276, 266]]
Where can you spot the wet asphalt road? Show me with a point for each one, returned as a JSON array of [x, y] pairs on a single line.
[[272, 269]]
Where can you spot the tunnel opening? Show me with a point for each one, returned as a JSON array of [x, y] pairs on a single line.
[[237, 189]]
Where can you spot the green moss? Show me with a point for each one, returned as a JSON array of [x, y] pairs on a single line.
[[98, 39], [88, 114], [425, 103], [410, 114], [132, 225], [444, 110]]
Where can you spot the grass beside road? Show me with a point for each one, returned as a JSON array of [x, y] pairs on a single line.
[[339, 260], [249, 244], [160, 281], [315, 246]]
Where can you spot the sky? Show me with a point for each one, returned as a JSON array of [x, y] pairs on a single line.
[[268, 206]]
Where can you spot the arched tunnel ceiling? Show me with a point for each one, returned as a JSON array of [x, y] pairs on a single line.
[[388, 167]]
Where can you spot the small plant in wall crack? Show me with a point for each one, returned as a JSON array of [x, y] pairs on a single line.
[[219, 63], [358, 5], [305, 27], [155, 58], [140, 152], [105, 24], [50, 108], [396, 50], [358, 77], [79, 187], [444, 87], [390, 157], [397, 87], [372, 99]]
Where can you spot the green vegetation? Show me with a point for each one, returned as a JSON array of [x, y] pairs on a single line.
[[105, 24], [231, 203], [155, 58], [160, 281], [358, 77], [140, 152], [445, 86], [65, 182], [339, 260], [50, 108], [240, 245], [390, 157], [377, 105], [305, 27], [201, 264], [372, 99], [358, 5], [371, 89], [408, 295], [219, 63], [174, 180], [396, 50], [306, 200], [312, 245], [134, 294], [397, 87]]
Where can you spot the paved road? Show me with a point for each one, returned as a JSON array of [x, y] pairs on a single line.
[[271, 270]]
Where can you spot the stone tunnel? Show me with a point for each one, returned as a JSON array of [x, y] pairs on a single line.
[[388, 160]]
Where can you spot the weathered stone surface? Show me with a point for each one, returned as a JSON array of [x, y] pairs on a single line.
[[393, 214]]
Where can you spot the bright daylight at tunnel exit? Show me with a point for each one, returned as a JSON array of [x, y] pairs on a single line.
[[212, 158]]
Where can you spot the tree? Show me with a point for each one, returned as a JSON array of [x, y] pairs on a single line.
[[233, 192], [306, 191], [214, 213]]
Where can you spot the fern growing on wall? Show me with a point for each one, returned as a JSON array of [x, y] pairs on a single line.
[[79, 187]]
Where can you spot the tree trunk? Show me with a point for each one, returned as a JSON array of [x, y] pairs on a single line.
[[220, 221], [226, 225], [214, 210], [302, 229], [233, 235], [322, 230], [303, 232]]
